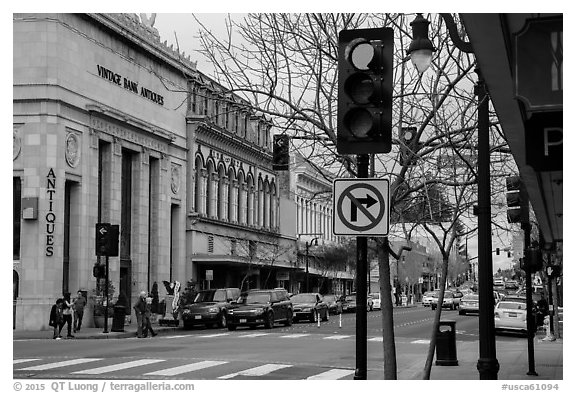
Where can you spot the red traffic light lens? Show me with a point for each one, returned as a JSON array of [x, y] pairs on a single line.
[[359, 122], [360, 88]]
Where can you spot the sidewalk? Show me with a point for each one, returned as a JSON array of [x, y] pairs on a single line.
[[512, 356]]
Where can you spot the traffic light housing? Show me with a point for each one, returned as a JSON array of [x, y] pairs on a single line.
[[408, 145], [281, 152], [99, 271], [107, 239], [365, 76], [517, 200]]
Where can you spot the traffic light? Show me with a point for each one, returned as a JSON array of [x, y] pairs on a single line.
[[107, 239], [408, 145], [281, 153], [497, 251], [365, 74], [517, 200]]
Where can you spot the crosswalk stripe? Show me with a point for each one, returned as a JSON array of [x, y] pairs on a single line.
[[420, 342], [64, 363], [214, 335], [379, 339], [180, 336], [254, 335], [187, 368], [17, 361], [336, 337], [333, 374], [116, 367], [257, 371], [298, 335]]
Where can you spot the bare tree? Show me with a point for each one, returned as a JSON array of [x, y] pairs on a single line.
[[286, 65]]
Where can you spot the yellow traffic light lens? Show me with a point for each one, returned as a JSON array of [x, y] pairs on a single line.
[[360, 88], [359, 122], [361, 55]]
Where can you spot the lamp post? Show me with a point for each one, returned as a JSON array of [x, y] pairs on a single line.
[[420, 50], [308, 244]]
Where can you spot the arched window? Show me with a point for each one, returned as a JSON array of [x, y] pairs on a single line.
[[232, 196], [260, 209], [212, 194], [273, 207], [266, 207], [242, 198], [200, 187], [222, 193], [251, 200]]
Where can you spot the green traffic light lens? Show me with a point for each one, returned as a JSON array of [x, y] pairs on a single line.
[[360, 88], [359, 122]]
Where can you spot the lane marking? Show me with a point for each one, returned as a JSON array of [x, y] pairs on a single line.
[[297, 335], [117, 367], [257, 371], [379, 339], [254, 335], [420, 342], [214, 335], [64, 363], [187, 368], [336, 337], [17, 361], [333, 374]]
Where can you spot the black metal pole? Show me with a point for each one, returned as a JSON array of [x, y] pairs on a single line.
[[307, 256], [529, 314], [361, 291], [106, 299], [487, 363]]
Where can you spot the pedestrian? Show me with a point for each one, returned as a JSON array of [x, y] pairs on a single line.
[[67, 314], [140, 311], [147, 323], [79, 304], [56, 319]]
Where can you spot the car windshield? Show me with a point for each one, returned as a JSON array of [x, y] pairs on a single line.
[[327, 298], [209, 296], [304, 298], [512, 305], [470, 297], [256, 297]]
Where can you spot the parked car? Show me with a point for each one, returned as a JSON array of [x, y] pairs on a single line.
[[261, 307], [209, 307], [428, 297], [349, 303], [449, 301], [376, 303], [309, 306], [510, 315], [334, 304], [468, 304]]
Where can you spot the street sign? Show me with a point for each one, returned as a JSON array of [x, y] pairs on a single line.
[[361, 207]]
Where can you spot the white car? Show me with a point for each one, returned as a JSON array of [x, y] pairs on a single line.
[[376, 303], [510, 314], [428, 297]]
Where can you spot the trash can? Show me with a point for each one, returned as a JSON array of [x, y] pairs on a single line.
[[446, 344], [118, 319]]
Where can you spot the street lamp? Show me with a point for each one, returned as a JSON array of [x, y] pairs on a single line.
[[421, 48], [487, 363], [308, 244]]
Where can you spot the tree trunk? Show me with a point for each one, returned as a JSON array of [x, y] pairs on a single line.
[[387, 312], [436, 324]]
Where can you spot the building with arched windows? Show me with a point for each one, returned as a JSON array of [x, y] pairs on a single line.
[[112, 125]]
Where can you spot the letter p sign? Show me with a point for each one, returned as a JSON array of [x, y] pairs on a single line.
[[553, 136]]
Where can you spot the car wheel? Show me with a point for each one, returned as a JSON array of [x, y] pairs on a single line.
[[433, 307], [269, 324], [326, 317], [222, 320], [289, 319], [231, 327]]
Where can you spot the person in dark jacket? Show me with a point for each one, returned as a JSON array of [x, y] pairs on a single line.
[[56, 318], [140, 311], [67, 314], [147, 314]]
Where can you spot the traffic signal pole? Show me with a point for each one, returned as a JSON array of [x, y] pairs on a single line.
[[530, 325], [106, 298], [361, 287]]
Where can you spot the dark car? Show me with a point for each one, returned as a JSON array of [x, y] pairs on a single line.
[[334, 304], [469, 304], [309, 306], [349, 303], [261, 307], [209, 307]]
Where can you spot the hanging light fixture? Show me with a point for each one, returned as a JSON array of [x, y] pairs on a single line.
[[421, 48]]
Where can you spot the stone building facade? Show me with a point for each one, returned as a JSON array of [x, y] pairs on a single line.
[[112, 125]]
